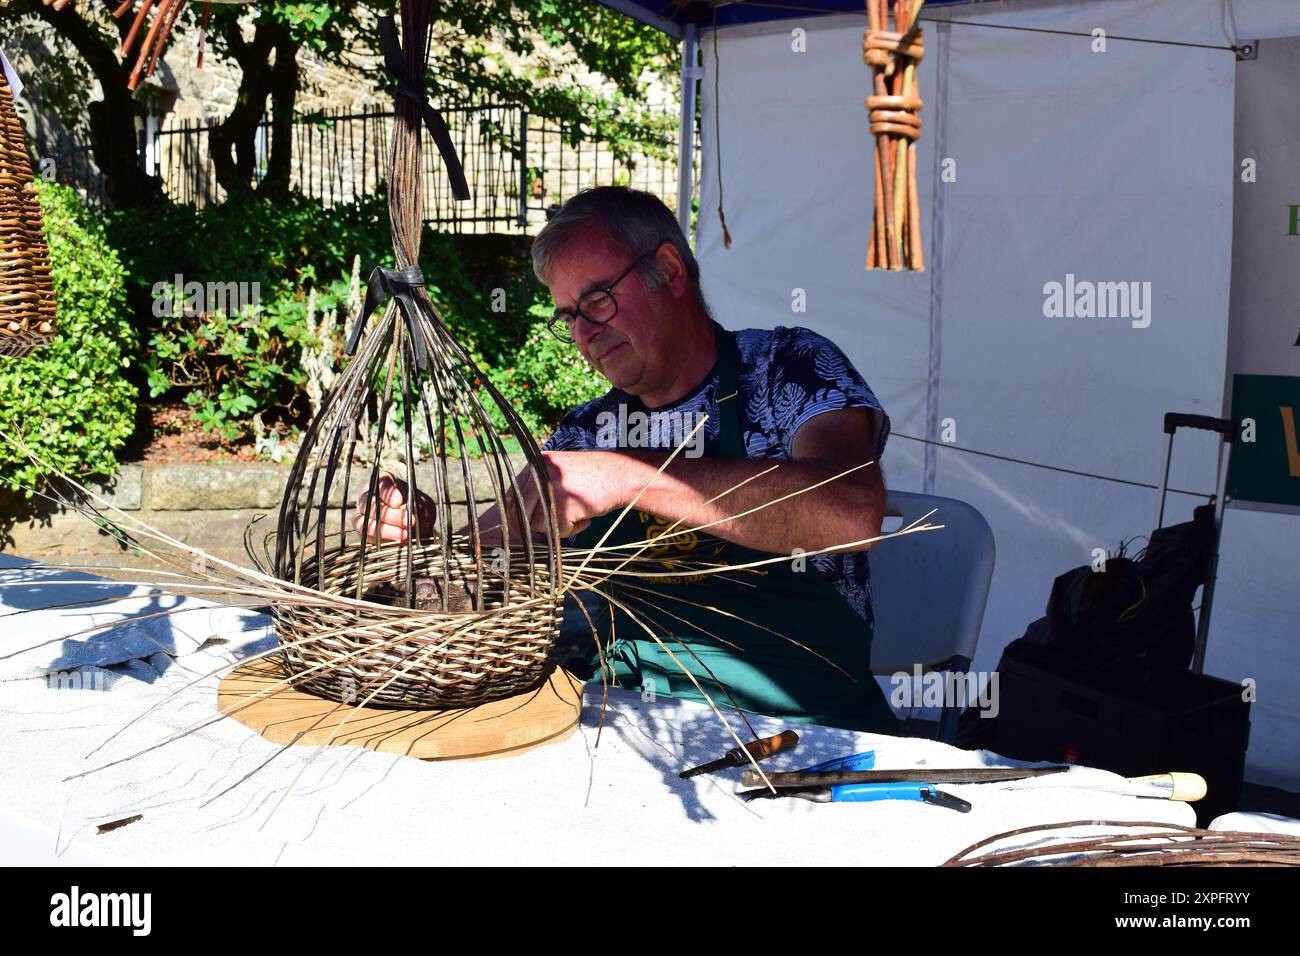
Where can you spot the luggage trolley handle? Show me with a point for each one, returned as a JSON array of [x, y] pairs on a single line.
[[1224, 426], [1227, 429]]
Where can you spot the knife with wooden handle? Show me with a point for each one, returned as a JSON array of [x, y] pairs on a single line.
[[758, 749]]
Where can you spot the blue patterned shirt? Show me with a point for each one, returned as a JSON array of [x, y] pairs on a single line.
[[787, 377]]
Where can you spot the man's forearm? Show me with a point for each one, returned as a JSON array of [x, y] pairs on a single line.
[[844, 510]]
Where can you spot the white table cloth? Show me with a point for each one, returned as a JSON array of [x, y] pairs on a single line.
[[571, 803]]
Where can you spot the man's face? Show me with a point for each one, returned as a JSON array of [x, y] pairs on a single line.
[[634, 349]]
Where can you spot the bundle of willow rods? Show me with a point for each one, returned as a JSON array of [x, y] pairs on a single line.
[[160, 28], [894, 111], [1166, 844]]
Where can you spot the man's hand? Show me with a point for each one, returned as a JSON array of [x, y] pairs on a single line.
[[388, 518], [824, 497], [708, 491], [586, 485]]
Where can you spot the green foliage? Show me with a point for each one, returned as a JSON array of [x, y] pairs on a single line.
[[313, 23], [543, 77], [546, 377], [235, 365], [71, 401], [229, 367], [272, 243], [548, 42], [327, 29]]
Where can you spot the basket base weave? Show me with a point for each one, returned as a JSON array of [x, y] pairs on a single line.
[[546, 713], [419, 659]]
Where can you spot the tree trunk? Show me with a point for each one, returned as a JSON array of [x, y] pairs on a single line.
[[284, 95], [233, 143], [113, 137]]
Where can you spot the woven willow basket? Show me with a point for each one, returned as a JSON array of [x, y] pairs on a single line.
[[469, 623], [467, 658], [26, 290]]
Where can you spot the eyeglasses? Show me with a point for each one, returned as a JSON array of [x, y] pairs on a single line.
[[597, 306]]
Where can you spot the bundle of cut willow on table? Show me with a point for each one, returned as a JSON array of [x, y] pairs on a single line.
[[894, 110]]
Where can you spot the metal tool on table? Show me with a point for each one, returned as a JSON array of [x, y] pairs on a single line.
[[861, 792], [1176, 785], [867, 792], [740, 756], [837, 777]]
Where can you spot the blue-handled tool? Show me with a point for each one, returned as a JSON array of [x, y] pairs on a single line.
[[867, 792], [923, 792], [863, 792], [863, 761]]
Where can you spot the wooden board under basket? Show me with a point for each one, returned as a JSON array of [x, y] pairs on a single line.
[[546, 714]]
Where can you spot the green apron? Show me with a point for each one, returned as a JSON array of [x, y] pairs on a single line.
[[764, 673]]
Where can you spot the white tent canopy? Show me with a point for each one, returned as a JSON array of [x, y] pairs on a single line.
[[1071, 165]]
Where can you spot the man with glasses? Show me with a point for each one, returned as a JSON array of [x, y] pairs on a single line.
[[791, 438]]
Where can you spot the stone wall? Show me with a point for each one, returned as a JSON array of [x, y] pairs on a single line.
[[207, 506]]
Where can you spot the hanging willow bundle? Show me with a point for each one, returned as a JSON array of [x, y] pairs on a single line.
[[152, 41], [26, 289], [452, 616], [894, 110]]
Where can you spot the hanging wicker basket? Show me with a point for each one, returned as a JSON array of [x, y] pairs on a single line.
[[26, 290]]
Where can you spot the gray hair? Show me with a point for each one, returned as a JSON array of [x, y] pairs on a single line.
[[635, 220]]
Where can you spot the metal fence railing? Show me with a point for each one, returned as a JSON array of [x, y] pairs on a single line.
[[517, 165], [65, 161]]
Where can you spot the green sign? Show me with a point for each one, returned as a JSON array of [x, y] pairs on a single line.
[[1266, 456]]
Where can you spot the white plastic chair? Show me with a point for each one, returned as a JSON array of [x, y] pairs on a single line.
[[929, 590]]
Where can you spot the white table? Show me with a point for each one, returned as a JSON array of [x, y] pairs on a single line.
[[573, 802]]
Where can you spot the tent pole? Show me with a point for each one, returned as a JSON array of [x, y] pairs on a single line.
[[686, 127]]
